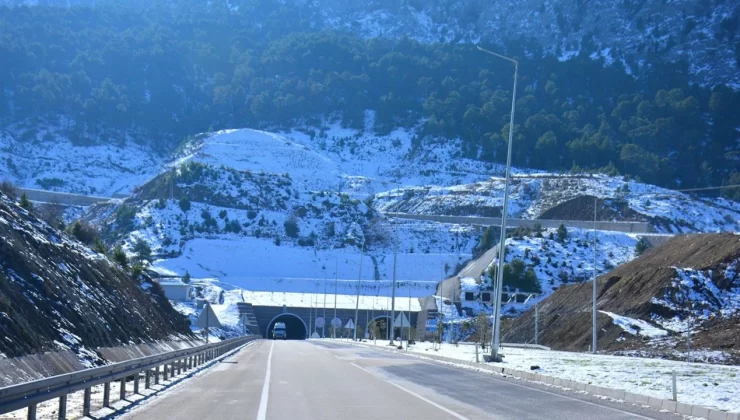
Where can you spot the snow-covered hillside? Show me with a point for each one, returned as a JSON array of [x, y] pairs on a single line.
[[619, 33], [49, 160], [245, 187], [554, 262], [356, 162], [533, 195]]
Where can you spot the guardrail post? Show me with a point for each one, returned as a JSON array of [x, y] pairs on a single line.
[[106, 394], [156, 375], [190, 362], [164, 372], [179, 367], [62, 407], [32, 412], [136, 383], [86, 402], [147, 378], [122, 391]]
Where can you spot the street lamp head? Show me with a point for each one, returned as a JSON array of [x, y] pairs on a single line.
[[516, 63]]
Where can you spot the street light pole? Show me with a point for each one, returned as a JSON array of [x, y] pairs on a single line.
[[495, 342], [393, 287], [336, 282], [357, 300], [323, 327], [594, 331]]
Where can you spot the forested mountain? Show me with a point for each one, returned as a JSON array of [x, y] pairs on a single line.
[[158, 72]]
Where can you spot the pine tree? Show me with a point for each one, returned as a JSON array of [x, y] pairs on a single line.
[[142, 250], [641, 246], [119, 256], [186, 278], [562, 233], [25, 202]]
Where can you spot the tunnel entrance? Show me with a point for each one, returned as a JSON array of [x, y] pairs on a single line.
[[295, 327]]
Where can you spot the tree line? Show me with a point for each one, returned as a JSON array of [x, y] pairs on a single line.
[[157, 73]]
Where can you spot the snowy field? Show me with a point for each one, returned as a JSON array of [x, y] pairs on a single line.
[[52, 162], [260, 265], [713, 386]]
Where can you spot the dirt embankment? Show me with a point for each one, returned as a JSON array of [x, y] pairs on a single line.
[[58, 295], [582, 208], [634, 290]]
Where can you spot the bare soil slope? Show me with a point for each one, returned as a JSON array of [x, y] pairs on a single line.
[[56, 294], [648, 288]]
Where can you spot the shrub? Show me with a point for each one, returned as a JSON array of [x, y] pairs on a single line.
[[25, 202], [142, 250], [251, 214], [222, 214], [233, 226], [125, 216], [119, 256], [84, 232], [641, 246], [100, 247], [186, 278], [291, 227], [562, 233], [184, 204], [7, 188], [137, 270]]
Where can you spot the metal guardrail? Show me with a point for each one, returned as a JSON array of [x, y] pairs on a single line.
[[30, 394]]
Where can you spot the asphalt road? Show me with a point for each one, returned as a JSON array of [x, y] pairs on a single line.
[[320, 380]]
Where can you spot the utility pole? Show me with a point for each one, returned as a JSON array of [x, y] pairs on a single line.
[[336, 282], [310, 312], [536, 323], [357, 299], [408, 337], [495, 344], [594, 331], [393, 287], [323, 327], [207, 316]]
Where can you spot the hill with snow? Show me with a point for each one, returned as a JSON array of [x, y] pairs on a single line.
[[270, 211]]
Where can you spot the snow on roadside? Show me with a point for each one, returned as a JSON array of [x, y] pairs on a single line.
[[708, 385]]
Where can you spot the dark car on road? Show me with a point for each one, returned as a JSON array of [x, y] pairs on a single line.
[[279, 332]]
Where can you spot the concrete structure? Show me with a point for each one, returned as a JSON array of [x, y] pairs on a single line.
[[300, 319], [176, 291], [42, 196], [628, 227]]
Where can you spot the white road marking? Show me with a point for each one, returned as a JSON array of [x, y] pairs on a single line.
[[426, 400], [262, 413]]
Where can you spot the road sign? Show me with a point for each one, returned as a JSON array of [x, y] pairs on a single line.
[[207, 318], [320, 322], [350, 325], [336, 322], [401, 321]]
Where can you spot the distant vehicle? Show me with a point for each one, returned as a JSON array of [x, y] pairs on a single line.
[[279, 332]]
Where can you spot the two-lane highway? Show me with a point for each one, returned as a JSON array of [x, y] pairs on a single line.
[[322, 380]]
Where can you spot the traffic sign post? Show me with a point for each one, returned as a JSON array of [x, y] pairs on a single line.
[[336, 323]]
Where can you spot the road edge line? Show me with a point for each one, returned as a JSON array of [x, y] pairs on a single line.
[[262, 413]]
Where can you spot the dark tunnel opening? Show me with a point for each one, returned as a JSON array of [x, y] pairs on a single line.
[[295, 328]]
